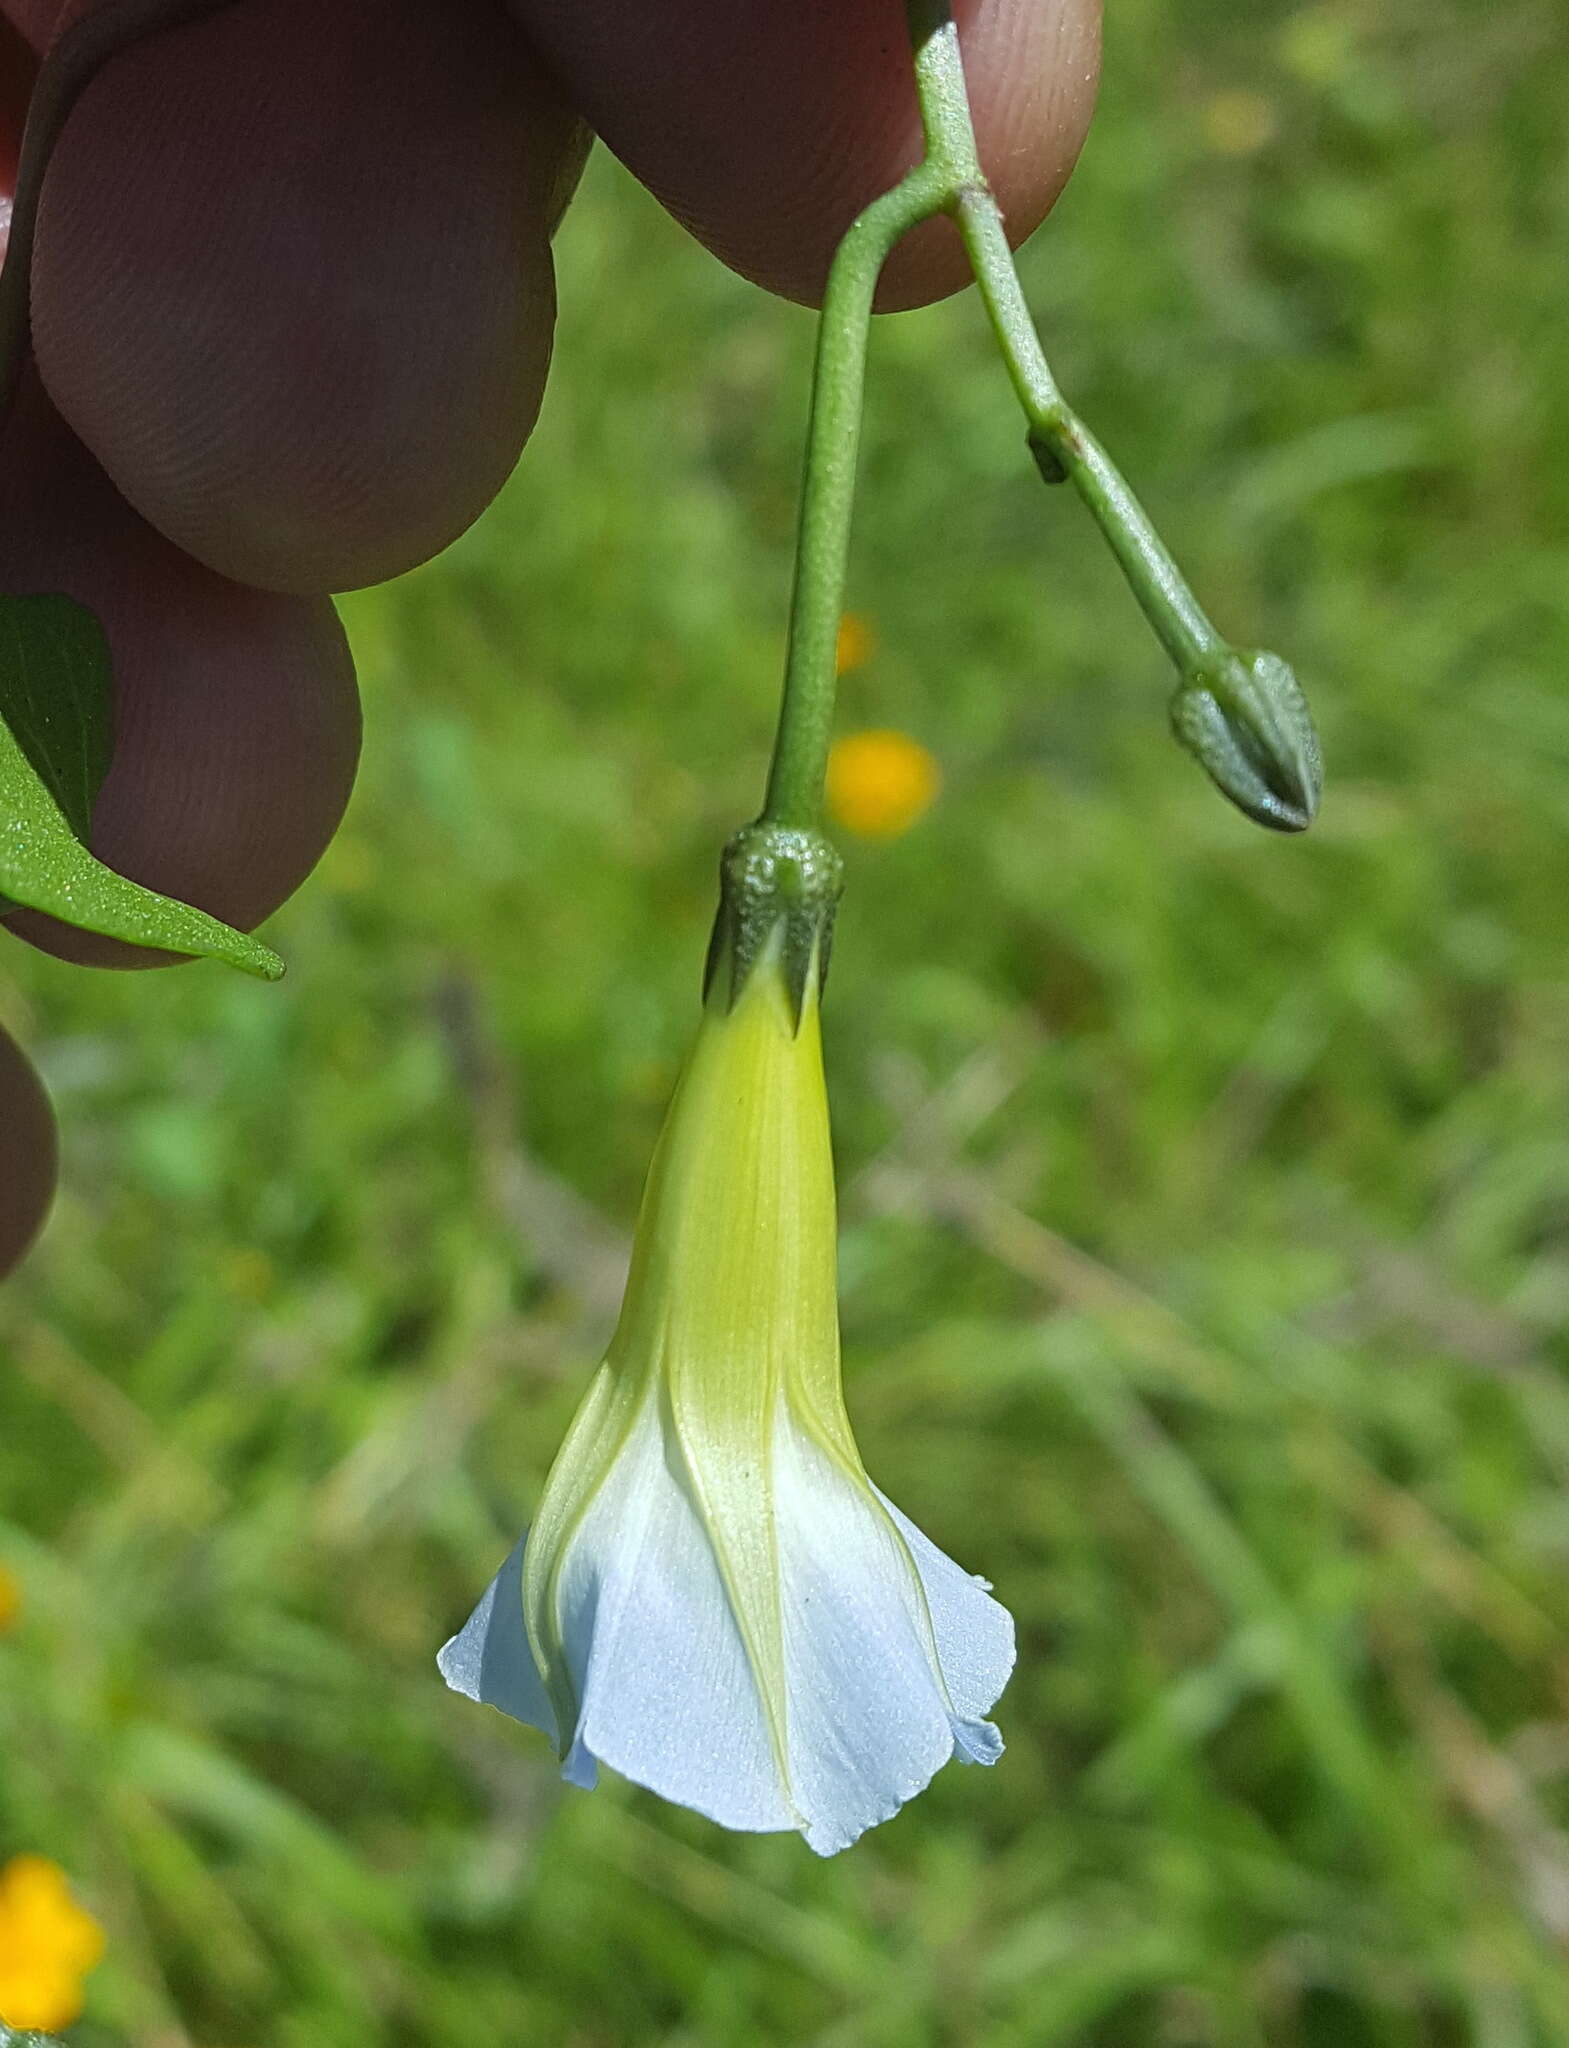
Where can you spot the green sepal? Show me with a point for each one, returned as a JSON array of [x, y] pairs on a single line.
[[779, 889], [1246, 722], [55, 745]]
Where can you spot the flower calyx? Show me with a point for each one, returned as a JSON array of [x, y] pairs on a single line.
[[779, 888]]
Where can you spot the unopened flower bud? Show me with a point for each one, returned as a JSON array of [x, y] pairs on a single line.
[[1247, 723]]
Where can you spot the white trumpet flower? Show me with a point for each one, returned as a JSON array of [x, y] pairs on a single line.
[[714, 1599]]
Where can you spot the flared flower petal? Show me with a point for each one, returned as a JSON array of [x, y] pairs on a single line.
[[872, 1709], [891, 1652], [489, 1659]]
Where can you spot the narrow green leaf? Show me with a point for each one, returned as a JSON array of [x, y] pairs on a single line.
[[54, 753]]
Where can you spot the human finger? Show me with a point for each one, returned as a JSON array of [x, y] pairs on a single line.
[[236, 717], [34, 20], [293, 284], [766, 128]]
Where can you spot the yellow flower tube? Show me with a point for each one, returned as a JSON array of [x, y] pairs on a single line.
[[714, 1599]]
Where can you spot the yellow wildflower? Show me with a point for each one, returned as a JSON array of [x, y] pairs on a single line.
[[880, 783], [857, 642], [47, 1946], [10, 1599]]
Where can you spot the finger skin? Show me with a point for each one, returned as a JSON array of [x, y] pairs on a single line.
[[765, 127], [293, 282], [33, 19], [18, 68], [29, 1154], [237, 722]]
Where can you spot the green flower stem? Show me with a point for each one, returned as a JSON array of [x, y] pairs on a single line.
[[1240, 712], [948, 180], [800, 759], [795, 780], [1063, 446]]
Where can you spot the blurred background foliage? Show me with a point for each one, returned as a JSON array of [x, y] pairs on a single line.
[[1204, 1195]]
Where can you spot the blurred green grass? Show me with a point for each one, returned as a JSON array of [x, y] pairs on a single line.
[[1205, 1195]]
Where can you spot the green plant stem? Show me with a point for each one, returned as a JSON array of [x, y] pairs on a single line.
[[800, 759], [795, 781], [948, 180], [1068, 447], [1063, 446]]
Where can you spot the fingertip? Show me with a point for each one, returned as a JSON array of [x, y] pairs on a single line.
[[293, 282], [29, 1154], [767, 129]]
